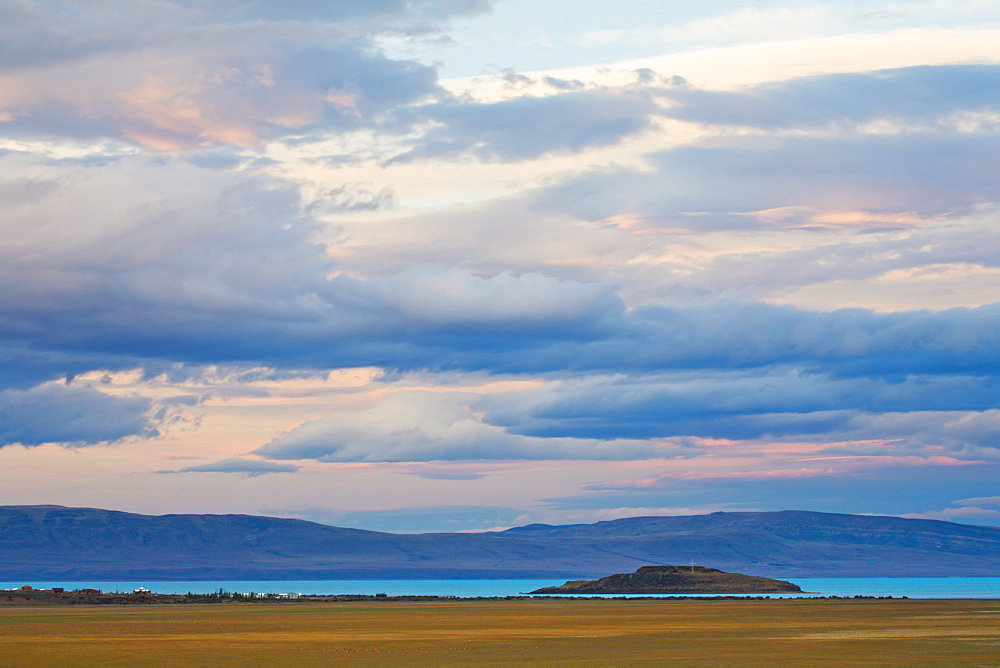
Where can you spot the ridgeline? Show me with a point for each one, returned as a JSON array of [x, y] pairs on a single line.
[[53, 543]]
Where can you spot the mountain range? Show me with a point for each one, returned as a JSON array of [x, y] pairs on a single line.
[[59, 543]]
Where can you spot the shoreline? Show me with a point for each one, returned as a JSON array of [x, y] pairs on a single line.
[[45, 598]]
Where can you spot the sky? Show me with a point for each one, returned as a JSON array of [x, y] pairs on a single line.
[[461, 265]]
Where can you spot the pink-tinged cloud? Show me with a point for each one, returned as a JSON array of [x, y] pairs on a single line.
[[722, 469], [757, 475], [666, 479], [212, 81]]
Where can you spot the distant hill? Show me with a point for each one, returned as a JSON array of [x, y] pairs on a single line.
[[674, 580], [57, 543], [795, 542]]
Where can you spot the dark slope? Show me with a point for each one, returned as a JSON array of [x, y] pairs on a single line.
[[52, 542], [674, 580]]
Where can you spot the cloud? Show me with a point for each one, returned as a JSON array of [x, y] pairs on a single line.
[[77, 416], [250, 468], [979, 501], [963, 246], [529, 303], [776, 402], [528, 127], [129, 274], [521, 241], [966, 434], [23, 366], [444, 475], [172, 76], [902, 144], [444, 472], [240, 99], [19, 191], [737, 334], [819, 469], [229, 269], [387, 12], [706, 188], [35, 35], [351, 197], [915, 98], [431, 426]]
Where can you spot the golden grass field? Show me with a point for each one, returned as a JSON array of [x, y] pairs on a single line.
[[550, 632]]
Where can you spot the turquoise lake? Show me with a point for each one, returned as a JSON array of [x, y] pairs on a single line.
[[896, 587]]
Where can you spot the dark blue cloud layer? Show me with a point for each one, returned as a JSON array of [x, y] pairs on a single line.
[[770, 401], [722, 335], [249, 467], [55, 413]]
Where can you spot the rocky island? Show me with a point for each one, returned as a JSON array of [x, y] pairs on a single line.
[[674, 580]]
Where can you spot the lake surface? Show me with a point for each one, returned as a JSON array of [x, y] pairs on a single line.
[[896, 587]]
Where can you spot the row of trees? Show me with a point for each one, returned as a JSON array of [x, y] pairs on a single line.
[[234, 595]]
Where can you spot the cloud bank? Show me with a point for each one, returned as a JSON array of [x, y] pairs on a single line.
[[668, 276], [425, 426], [55, 413]]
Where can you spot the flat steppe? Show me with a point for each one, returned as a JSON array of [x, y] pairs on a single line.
[[550, 632]]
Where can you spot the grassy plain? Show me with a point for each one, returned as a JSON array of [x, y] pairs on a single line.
[[551, 632]]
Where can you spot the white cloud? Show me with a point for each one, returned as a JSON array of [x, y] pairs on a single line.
[[432, 426], [979, 501], [440, 296]]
